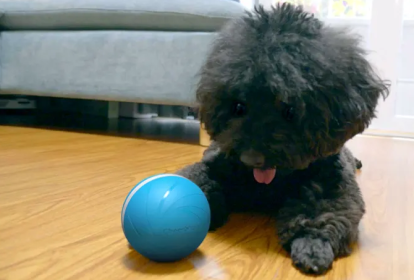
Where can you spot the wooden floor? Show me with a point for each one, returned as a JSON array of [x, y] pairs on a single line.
[[61, 195]]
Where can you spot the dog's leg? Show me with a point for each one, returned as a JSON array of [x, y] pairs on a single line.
[[316, 229], [199, 174]]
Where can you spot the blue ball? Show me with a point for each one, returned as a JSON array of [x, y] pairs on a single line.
[[165, 217]]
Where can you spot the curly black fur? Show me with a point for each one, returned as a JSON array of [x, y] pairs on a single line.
[[282, 90]]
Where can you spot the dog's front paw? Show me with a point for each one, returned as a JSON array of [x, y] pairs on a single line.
[[219, 212], [310, 255]]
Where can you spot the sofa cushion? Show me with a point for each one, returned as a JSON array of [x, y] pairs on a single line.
[[182, 15], [138, 66]]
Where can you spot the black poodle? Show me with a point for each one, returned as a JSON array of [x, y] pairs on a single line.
[[280, 94]]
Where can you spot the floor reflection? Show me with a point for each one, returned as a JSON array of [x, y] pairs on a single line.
[[165, 129]]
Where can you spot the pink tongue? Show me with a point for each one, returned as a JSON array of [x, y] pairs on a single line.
[[264, 176]]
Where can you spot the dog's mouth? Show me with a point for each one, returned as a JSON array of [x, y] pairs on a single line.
[[265, 176], [263, 173]]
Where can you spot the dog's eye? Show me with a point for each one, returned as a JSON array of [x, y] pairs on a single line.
[[239, 109], [288, 113]]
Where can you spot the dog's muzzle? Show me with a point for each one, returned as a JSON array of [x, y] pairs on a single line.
[[257, 161]]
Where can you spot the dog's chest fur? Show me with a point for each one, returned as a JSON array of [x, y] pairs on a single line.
[[320, 180]]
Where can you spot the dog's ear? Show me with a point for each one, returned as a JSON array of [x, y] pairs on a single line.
[[348, 93], [352, 87], [363, 91], [210, 108], [204, 101]]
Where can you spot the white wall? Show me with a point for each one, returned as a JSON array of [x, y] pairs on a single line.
[[249, 4], [405, 82]]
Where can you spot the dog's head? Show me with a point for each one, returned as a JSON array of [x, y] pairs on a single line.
[[280, 89]]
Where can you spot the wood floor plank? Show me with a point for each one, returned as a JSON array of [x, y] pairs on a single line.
[[61, 195]]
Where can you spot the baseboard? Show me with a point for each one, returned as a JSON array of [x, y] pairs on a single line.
[[388, 133]]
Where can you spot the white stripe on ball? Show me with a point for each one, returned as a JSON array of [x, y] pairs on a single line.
[[140, 186]]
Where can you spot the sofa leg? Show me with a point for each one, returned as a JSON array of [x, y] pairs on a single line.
[[112, 110], [204, 137]]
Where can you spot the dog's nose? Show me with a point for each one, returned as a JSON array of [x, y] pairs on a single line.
[[252, 158]]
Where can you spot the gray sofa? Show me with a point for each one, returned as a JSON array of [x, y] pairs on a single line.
[[146, 51]]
